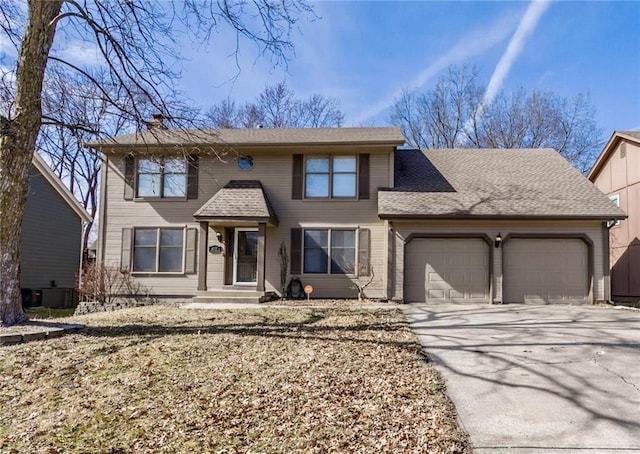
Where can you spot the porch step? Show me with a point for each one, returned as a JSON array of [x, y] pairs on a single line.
[[232, 296]]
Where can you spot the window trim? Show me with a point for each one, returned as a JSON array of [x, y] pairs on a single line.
[[157, 247], [329, 231], [161, 161], [615, 198], [330, 174]]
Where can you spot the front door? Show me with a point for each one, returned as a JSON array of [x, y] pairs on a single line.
[[245, 256]]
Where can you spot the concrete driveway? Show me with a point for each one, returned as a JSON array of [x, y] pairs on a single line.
[[528, 379]]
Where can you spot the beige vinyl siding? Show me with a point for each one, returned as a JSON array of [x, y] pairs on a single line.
[[51, 238], [273, 167], [400, 230]]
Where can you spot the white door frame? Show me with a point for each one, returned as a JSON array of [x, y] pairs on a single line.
[[236, 230]]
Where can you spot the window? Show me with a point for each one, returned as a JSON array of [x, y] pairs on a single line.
[[329, 251], [616, 201], [163, 177], [333, 177], [245, 162], [157, 250]]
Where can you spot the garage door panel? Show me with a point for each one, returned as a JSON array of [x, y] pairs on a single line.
[[447, 270], [545, 271]]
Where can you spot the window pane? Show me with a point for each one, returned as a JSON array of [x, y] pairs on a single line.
[[344, 164], [175, 185], [343, 251], [149, 185], [315, 251], [175, 166], [170, 259], [343, 238], [144, 258], [145, 237], [344, 185], [316, 238], [315, 261], [317, 165], [171, 237], [343, 260], [148, 166], [317, 185]]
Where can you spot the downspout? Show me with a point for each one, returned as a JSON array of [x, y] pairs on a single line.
[[84, 225], [606, 240], [102, 209]]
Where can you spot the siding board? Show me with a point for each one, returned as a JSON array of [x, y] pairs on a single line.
[[274, 168], [51, 238]]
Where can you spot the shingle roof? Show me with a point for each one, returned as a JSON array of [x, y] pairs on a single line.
[[256, 136], [510, 183], [240, 200]]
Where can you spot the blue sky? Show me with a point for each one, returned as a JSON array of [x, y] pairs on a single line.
[[364, 53]]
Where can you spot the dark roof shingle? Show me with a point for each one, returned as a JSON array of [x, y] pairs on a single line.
[[239, 199], [516, 183], [255, 136]]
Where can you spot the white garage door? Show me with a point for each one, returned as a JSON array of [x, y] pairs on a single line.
[[447, 270], [545, 271]]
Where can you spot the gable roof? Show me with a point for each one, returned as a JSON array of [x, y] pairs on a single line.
[[490, 183], [255, 137], [239, 200], [60, 187], [617, 136]]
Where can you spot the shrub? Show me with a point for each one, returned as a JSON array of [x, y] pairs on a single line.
[[106, 283]]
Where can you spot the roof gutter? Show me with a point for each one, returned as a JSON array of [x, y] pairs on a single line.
[[500, 217]]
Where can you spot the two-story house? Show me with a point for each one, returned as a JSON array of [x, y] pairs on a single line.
[[617, 174], [232, 213]]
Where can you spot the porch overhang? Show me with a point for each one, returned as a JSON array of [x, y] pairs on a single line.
[[239, 202]]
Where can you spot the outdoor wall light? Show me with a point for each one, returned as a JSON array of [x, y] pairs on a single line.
[[498, 240], [219, 237]]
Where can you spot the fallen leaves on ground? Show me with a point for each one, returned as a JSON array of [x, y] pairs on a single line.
[[163, 379]]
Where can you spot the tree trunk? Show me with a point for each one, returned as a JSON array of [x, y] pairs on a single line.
[[17, 144]]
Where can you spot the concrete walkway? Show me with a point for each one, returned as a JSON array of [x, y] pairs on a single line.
[[538, 379]]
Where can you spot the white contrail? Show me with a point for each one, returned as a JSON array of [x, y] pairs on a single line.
[[469, 46], [526, 27]]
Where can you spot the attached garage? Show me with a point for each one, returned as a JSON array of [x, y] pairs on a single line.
[[450, 270], [546, 271]]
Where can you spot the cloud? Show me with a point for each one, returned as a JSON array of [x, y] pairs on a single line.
[[471, 45], [80, 53], [526, 27]]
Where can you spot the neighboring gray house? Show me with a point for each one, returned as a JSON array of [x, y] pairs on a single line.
[[349, 207], [51, 248]]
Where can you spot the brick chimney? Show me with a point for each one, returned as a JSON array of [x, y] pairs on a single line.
[[157, 122]]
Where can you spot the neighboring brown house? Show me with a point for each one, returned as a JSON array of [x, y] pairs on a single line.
[[51, 245], [617, 174], [348, 207]]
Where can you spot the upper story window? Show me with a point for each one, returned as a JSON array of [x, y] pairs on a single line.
[[331, 177], [245, 162], [161, 177]]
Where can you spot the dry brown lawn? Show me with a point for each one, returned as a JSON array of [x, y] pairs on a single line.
[[162, 379]]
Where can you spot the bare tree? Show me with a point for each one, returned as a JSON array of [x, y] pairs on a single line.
[[75, 112], [277, 107], [454, 114], [134, 43]]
